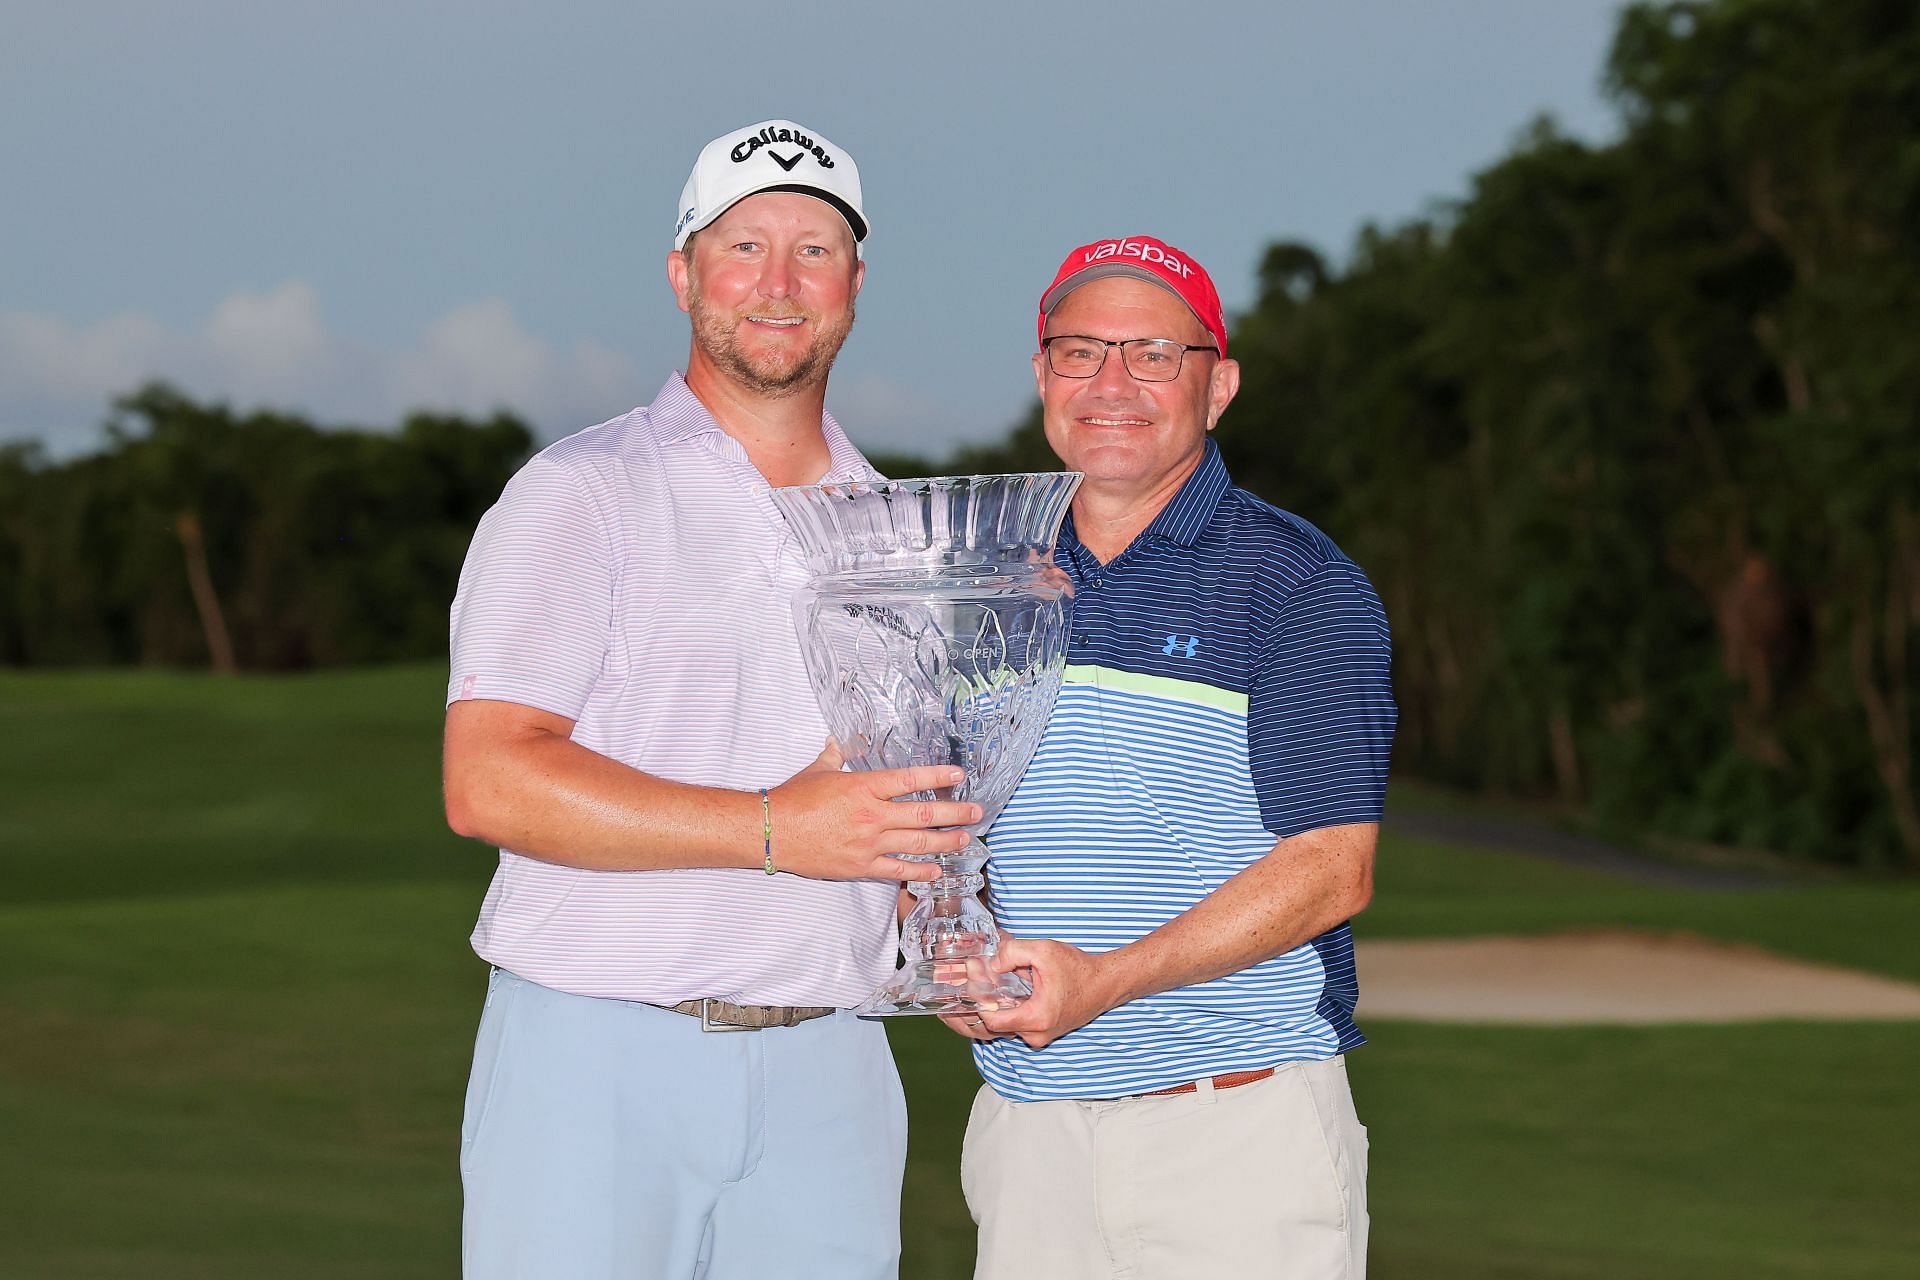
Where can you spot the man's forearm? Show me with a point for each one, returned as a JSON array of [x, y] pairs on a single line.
[[546, 796], [1304, 886], [515, 778]]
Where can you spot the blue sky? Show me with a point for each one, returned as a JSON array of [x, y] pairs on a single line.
[[355, 208]]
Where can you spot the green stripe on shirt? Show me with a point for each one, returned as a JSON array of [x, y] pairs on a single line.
[[1191, 691]]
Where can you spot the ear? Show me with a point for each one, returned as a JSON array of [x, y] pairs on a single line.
[[1221, 389], [677, 276], [859, 276], [1040, 373]]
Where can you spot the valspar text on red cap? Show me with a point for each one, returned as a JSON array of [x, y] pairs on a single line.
[[1147, 259]]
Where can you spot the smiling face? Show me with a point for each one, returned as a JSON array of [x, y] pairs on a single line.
[[1136, 441], [770, 286]]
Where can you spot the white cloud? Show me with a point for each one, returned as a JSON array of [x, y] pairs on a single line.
[[275, 342], [57, 379], [274, 349], [44, 360]]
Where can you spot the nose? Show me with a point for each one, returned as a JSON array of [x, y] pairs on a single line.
[[776, 277], [1113, 378]]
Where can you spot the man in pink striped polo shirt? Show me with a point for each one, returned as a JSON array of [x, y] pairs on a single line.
[[667, 1079]]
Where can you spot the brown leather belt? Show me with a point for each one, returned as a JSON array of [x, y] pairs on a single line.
[[1233, 1079], [718, 1015]]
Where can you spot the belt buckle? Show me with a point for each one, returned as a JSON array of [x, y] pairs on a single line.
[[707, 1022]]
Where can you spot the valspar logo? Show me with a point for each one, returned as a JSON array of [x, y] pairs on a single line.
[[770, 137], [1144, 252]]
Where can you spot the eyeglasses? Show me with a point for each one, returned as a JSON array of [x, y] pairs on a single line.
[[1073, 355]]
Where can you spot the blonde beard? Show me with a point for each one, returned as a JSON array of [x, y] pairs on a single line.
[[713, 336]]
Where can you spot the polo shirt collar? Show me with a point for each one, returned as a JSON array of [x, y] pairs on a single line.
[[677, 416], [1182, 520]]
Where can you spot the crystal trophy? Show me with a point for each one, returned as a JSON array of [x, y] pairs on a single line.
[[934, 628]]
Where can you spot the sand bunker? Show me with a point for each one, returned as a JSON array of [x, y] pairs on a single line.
[[1613, 977]]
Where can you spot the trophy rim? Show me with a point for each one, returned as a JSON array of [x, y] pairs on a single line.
[[924, 484]]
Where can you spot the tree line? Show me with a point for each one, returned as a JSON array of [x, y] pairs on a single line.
[[260, 542], [1628, 439]]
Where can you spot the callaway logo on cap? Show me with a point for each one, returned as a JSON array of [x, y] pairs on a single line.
[[1147, 259], [774, 155]]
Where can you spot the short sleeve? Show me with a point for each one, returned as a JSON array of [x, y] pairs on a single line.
[[1320, 714], [534, 610]]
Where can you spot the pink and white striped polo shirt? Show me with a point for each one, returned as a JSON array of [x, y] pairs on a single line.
[[637, 579]]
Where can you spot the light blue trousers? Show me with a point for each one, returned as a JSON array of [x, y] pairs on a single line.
[[605, 1139]]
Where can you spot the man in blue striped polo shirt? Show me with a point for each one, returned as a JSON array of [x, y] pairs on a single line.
[[1178, 866]]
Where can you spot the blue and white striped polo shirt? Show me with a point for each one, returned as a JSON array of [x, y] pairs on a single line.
[[1227, 686]]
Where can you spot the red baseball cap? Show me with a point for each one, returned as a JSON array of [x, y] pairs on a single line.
[[1148, 259]]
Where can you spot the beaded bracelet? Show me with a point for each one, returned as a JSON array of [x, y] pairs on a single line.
[[766, 832]]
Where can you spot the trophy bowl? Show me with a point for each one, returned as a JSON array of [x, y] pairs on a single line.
[[934, 628]]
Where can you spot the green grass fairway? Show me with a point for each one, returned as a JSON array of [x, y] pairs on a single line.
[[250, 1084], [236, 1006], [145, 783]]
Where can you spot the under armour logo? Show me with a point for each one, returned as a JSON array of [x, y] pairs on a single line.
[[1191, 644], [785, 163]]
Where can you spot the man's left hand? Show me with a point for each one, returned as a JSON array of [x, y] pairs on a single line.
[[1070, 989]]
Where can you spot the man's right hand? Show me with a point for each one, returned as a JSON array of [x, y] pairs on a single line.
[[833, 825]]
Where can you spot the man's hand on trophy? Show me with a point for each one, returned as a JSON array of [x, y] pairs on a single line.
[[971, 1025], [1071, 988], [833, 825], [980, 972]]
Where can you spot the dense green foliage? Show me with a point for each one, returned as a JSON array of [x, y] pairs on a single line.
[[1629, 441], [260, 541], [239, 1007]]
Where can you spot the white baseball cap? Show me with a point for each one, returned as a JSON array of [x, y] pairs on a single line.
[[774, 155]]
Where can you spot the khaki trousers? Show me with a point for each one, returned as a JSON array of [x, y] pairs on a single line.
[[1262, 1180]]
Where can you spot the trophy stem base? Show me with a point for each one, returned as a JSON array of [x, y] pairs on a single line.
[[966, 985], [948, 942]]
